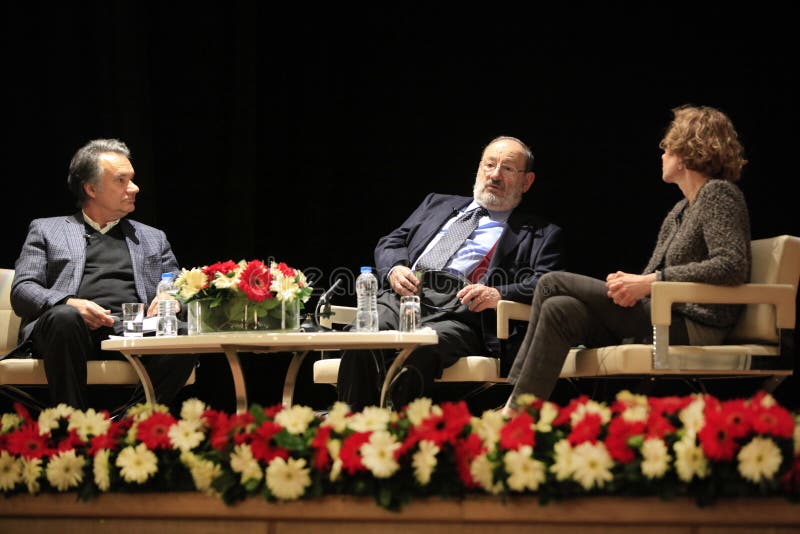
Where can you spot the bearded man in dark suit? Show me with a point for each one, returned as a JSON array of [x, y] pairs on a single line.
[[502, 258]]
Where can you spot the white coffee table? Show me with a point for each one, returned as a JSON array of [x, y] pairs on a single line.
[[299, 343]]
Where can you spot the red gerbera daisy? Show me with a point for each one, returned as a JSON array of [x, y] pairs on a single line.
[[154, 431], [517, 432], [349, 453], [255, 280], [262, 446], [27, 442]]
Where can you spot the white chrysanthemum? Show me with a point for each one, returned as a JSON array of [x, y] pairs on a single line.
[[223, 281], [203, 472], [88, 423], [31, 473], [420, 409], [137, 464], [186, 434], [65, 470], [193, 409], [295, 419], [655, 458], [424, 461], [284, 287], [631, 399], [10, 471], [9, 422], [482, 471], [588, 407], [488, 427], [562, 466], [377, 454], [243, 462], [370, 419], [337, 417], [636, 414], [693, 417], [524, 471], [288, 480], [690, 461], [797, 435], [759, 460], [526, 399], [102, 469], [190, 282], [49, 418], [547, 415], [592, 465], [336, 470], [143, 410], [768, 401]]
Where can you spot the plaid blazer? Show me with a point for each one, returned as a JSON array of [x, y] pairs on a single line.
[[50, 266]]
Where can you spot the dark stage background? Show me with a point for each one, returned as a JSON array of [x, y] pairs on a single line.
[[305, 134]]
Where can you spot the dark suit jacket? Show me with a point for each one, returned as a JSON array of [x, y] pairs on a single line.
[[528, 247], [50, 266]]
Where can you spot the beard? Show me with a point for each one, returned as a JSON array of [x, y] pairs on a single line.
[[507, 199]]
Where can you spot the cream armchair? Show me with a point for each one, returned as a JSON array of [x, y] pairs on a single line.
[[18, 373], [761, 344]]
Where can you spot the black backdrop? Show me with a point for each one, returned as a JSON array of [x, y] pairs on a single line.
[[306, 133]]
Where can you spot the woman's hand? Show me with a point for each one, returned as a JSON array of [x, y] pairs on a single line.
[[627, 289]]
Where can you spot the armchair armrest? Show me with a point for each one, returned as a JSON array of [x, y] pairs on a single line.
[[508, 310], [664, 294]]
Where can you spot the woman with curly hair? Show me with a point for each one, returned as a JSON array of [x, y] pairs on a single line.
[[704, 238]]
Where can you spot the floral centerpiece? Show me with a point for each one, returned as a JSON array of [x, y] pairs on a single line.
[[248, 295], [696, 446]]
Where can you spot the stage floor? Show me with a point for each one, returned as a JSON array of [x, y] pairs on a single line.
[[196, 513]]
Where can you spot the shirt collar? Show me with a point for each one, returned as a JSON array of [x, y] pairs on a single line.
[[495, 215], [96, 226]]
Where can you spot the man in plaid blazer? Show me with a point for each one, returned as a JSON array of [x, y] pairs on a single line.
[[75, 271]]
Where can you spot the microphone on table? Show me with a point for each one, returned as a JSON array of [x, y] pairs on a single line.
[[324, 304]]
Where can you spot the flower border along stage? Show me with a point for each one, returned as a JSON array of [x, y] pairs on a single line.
[[695, 446]]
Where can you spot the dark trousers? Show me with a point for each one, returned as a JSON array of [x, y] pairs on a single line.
[[570, 310], [61, 338], [361, 372]]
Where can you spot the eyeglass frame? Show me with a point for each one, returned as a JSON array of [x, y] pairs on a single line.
[[505, 168]]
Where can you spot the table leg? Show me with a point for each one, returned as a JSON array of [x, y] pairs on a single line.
[[144, 378], [392, 372], [291, 377], [239, 387]]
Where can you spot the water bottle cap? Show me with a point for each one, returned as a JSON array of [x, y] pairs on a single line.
[[366, 269], [166, 276]]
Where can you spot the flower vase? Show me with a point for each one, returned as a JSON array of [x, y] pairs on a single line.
[[207, 316]]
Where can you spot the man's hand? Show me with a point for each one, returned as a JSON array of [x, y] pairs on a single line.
[[152, 309], [628, 289], [479, 297], [404, 281], [93, 314]]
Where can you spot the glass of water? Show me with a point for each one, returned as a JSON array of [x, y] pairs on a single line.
[[410, 313], [133, 319]]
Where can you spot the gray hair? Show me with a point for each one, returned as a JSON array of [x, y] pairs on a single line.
[[85, 165]]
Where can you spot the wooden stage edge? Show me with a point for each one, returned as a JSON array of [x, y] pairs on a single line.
[[338, 513]]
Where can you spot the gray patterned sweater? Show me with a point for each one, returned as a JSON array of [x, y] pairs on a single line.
[[706, 242]]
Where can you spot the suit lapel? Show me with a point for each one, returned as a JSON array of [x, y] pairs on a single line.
[[75, 237], [513, 233]]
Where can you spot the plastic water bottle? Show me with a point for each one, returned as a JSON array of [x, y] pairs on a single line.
[[167, 306], [367, 293]]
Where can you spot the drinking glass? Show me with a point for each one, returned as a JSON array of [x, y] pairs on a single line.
[[133, 319]]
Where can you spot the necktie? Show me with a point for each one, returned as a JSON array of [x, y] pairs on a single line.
[[451, 241]]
